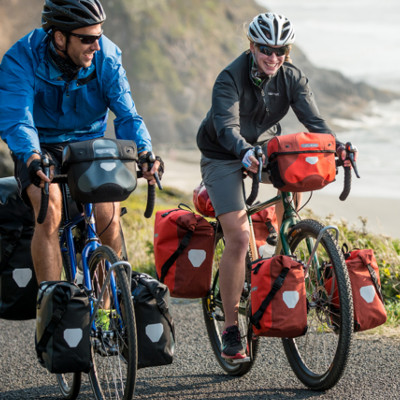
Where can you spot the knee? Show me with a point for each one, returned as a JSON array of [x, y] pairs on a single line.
[[52, 221], [238, 241], [108, 218]]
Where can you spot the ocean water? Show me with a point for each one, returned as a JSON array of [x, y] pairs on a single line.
[[360, 39]]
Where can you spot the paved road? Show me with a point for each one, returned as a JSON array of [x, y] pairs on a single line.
[[373, 371]]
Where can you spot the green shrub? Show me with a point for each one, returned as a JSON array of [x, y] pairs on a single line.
[[138, 233]]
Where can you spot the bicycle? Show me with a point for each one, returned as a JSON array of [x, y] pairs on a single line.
[[319, 357], [106, 280]]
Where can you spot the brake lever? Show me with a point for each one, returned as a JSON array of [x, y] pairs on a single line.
[[152, 159], [350, 150], [259, 153], [46, 170]]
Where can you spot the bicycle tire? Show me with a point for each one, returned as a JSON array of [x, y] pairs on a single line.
[[320, 356], [114, 341], [214, 320], [69, 383]]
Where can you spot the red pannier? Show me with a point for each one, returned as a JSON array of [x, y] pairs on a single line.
[[301, 162], [278, 297], [183, 252], [262, 223], [369, 309]]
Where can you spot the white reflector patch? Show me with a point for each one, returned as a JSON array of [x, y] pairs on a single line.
[[312, 160], [196, 257], [73, 336], [291, 298], [22, 276], [108, 166], [154, 332], [368, 293]]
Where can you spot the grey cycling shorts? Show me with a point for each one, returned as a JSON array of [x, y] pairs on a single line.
[[224, 182]]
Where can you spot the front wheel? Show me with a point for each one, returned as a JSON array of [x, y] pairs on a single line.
[[319, 357], [70, 383], [214, 319], [113, 333]]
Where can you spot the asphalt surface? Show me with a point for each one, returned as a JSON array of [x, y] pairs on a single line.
[[373, 371]]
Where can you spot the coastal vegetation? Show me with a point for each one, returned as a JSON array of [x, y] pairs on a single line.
[[139, 238]]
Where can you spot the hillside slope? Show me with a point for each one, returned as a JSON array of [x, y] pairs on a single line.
[[173, 51]]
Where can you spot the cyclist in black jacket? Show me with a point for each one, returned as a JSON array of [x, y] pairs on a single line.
[[250, 96]]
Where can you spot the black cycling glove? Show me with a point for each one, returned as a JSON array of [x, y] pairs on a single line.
[[34, 167], [150, 158]]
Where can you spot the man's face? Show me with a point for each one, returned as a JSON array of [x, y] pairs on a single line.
[[82, 53]]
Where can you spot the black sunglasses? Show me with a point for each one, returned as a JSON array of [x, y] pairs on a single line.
[[267, 50], [86, 39]]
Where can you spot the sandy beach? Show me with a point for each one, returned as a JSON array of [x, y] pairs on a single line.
[[382, 214]]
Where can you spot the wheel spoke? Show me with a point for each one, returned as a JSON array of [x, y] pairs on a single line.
[[114, 346]]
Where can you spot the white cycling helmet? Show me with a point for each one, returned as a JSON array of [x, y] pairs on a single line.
[[271, 29]]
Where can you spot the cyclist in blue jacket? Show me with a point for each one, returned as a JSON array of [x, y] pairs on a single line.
[[57, 85]]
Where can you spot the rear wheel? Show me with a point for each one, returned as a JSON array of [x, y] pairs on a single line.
[[214, 319], [113, 338], [319, 357]]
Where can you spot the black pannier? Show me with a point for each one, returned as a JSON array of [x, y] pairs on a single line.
[[18, 286], [155, 326], [101, 170], [62, 337]]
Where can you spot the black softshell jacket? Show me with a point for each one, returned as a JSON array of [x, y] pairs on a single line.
[[243, 114]]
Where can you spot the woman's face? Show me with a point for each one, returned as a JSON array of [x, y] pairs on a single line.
[[268, 64]]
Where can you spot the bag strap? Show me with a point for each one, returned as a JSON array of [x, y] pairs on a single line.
[[58, 313], [256, 317], [375, 281], [182, 246], [161, 303]]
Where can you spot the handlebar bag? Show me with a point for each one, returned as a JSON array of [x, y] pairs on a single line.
[[301, 162], [101, 170], [18, 286], [368, 304], [183, 252], [62, 339], [154, 323], [278, 297]]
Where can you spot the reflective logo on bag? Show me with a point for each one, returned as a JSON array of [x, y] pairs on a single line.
[[312, 160], [291, 298], [154, 332], [196, 257], [22, 276], [73, 336], [108, 166], [368, 293]]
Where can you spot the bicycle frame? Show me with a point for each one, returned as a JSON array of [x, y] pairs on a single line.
[[92, 242], [289, 219]]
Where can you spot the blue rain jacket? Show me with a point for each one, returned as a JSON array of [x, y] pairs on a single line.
[[38, 106]]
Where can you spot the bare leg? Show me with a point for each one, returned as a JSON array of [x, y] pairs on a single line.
[[108, 227], [45, 246], [279, 207], [232, 267]]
